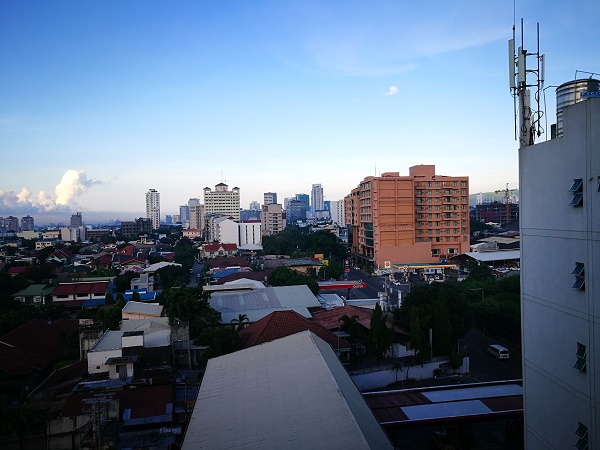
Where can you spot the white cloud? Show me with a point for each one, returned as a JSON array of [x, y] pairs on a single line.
[[392, 91], [72, 184]]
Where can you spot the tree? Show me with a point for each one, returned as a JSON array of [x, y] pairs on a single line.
[[456, 361], [190, 305], [381, 336], [123, 282], [442, 328], [350, 325], [109, 298], [111, 315], [173, 276], [135, 296], [241, 318], [419, 342], [284, 276], [220, 341]]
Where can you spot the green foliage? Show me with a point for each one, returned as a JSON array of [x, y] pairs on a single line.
[[333, 269], [173, 276], [241, 321], [284, 276], [185, 253], [298, 242], [442, 339], [109, 299], [190, 305], [39, 274], [123, 282], [456, 361], [110, 315], [481, 273], [135, 296], [220, 341], [381, 336], [350, 325]]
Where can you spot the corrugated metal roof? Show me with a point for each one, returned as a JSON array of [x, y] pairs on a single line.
[[500, 255], [290, 393], [153, 309]]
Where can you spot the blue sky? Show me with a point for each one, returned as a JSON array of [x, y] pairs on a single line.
[[100, 101]]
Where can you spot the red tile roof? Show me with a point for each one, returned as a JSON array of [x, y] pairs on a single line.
[[82, 287], [280, 324], [228, 262], [127, 250], [34, 345], [17, 269], [330, 318], [216, 247]]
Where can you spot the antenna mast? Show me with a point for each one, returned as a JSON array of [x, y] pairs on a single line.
[[529, 123]]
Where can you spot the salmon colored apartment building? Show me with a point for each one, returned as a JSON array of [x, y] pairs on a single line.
[[419, 218]]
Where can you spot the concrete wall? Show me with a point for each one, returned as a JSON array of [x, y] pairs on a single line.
[[555, 236]]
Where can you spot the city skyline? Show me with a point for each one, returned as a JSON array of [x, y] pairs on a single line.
[[101, 102]]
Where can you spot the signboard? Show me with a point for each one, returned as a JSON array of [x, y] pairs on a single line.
[[387, 264], [590, 94], [346, 270]]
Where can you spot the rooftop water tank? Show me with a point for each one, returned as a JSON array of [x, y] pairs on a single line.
[[570, 93]]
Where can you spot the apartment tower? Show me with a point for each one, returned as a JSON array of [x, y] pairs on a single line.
[[153, 208], [419, 218], [317, 199]]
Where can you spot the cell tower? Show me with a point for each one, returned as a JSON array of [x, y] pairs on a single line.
[[529, 120]]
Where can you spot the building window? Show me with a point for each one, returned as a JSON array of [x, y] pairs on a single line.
[[579, 273], [580, 364], [582, 433], [577, 190]]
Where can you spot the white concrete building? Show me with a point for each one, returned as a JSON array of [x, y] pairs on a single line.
[[250, 232], [222, 201], [269, 198], [560, 253], [337, 212], [197, 217], [73, 234], [153, 208], [223, 230]]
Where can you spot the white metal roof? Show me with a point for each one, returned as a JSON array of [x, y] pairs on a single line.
[[500, 255], [291, 393], [153, 309]]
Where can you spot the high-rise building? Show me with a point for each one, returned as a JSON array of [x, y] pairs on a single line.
[[76, 220], [422, 217], [12, 224], [222, 201], [254, 205], [272, 219], [304, 198], [295, 211], [153, 208], [197, 217], [559, 183], [337, 212], [134, 228], [316, 199], [269, 198], [184, 213], [27, 223]]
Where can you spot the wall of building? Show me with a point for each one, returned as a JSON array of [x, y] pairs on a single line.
[[250, 233], [555, 236]]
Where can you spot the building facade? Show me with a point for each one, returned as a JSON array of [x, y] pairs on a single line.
[[222, 201], [273, 219], [153, 208], [197, 217], [141, 225], [419, 218], [76, 220], [27, 223], [250, 232], [223, 230], [296, 210], [317, 199], [560, 257], [269, 198], [337, 212]]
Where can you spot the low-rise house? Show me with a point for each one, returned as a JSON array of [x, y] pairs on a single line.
[[149, 339], [144, 282], [74, 294], [38, 294], [258, 303], [142, 310], [218, 250]]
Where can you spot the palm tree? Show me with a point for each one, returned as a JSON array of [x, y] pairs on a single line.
[[241, 318]]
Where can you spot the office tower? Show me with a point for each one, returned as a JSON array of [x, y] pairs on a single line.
[[304, 198], [27, 223], [222, 201], [76, 220], [296, 210], [272, 219], [153, 208], [184, 213], [270, 198], [254, 205], [12, 224], [559, 181], [422, 217], [316, 199], [169, 219]]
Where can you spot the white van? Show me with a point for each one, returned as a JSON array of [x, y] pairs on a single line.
[[498, 351]]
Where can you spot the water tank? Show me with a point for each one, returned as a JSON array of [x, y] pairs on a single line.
[[570, 93]]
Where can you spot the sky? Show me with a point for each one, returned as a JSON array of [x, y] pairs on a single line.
[[102, 101]]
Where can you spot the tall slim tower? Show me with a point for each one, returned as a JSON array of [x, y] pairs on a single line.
[[222, 201], [317, 199], [76, 220], [153, 208]]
